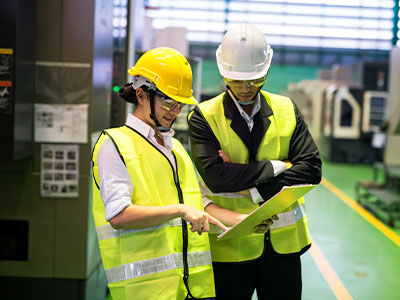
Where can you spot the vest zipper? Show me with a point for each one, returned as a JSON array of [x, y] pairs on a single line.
[[185, 237]]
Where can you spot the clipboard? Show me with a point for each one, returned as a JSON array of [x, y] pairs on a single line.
[[275, 205]]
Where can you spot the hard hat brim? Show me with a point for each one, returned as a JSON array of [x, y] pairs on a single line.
[[243, 75], [191, 100]]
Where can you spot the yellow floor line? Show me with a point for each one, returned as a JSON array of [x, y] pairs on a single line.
[[329, 274], [364, 213]]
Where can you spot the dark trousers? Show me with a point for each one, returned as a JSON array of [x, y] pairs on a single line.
[[274, 276]]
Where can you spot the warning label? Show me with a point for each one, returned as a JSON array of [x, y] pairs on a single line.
[[6, 68]]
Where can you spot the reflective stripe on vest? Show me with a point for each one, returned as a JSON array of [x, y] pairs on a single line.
[[290, 217], [285, 219], [229, 195], [108, 232], [156, 265]]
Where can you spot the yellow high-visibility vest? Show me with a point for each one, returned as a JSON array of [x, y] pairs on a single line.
[[289, 234], [148, 263]]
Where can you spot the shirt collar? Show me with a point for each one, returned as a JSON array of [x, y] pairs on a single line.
[[256, 106], [148, 132]]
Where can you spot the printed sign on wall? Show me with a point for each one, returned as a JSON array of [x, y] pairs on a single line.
[[61, 123], [59, 172]]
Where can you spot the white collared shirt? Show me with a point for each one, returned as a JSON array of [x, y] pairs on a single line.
[[249, 119], [116, 185]]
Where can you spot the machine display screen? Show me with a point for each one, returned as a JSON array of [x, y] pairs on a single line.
[[377, 110]]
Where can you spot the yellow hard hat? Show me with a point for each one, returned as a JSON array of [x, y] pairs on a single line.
[[169, 70]]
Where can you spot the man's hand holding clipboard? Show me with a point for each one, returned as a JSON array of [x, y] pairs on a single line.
[[275, 205]]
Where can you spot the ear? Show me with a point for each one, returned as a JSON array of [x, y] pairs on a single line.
[[141, 96]]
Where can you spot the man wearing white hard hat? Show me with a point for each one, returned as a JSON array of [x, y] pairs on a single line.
[[247, 144]]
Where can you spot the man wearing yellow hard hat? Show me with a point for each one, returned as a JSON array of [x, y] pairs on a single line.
[[247, 144], [147, 206]]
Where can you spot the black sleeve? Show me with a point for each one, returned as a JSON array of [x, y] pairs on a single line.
[[220, 176], [304, 155]]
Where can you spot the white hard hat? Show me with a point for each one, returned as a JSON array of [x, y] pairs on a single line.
[[244, 53]]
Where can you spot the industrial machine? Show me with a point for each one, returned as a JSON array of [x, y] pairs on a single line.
[[374, 110], [381, 194], [341, 118], [345, 109], [307, 94], [55, 55], [16, 78]]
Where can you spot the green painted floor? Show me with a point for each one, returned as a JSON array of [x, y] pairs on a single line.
[[365, 261]]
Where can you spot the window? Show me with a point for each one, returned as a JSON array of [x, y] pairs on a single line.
[[364, 25], [120, 12]]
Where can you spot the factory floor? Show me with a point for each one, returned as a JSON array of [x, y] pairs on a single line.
[[353, 254]]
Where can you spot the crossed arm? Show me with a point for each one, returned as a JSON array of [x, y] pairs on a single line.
[[223, 176]]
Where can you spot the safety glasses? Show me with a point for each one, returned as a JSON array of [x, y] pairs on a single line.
[[168, 103], [250, 83]]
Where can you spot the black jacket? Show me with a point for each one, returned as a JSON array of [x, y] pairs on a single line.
[[234, 177]]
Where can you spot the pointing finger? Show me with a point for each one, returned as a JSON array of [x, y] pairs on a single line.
[[213, 220]]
